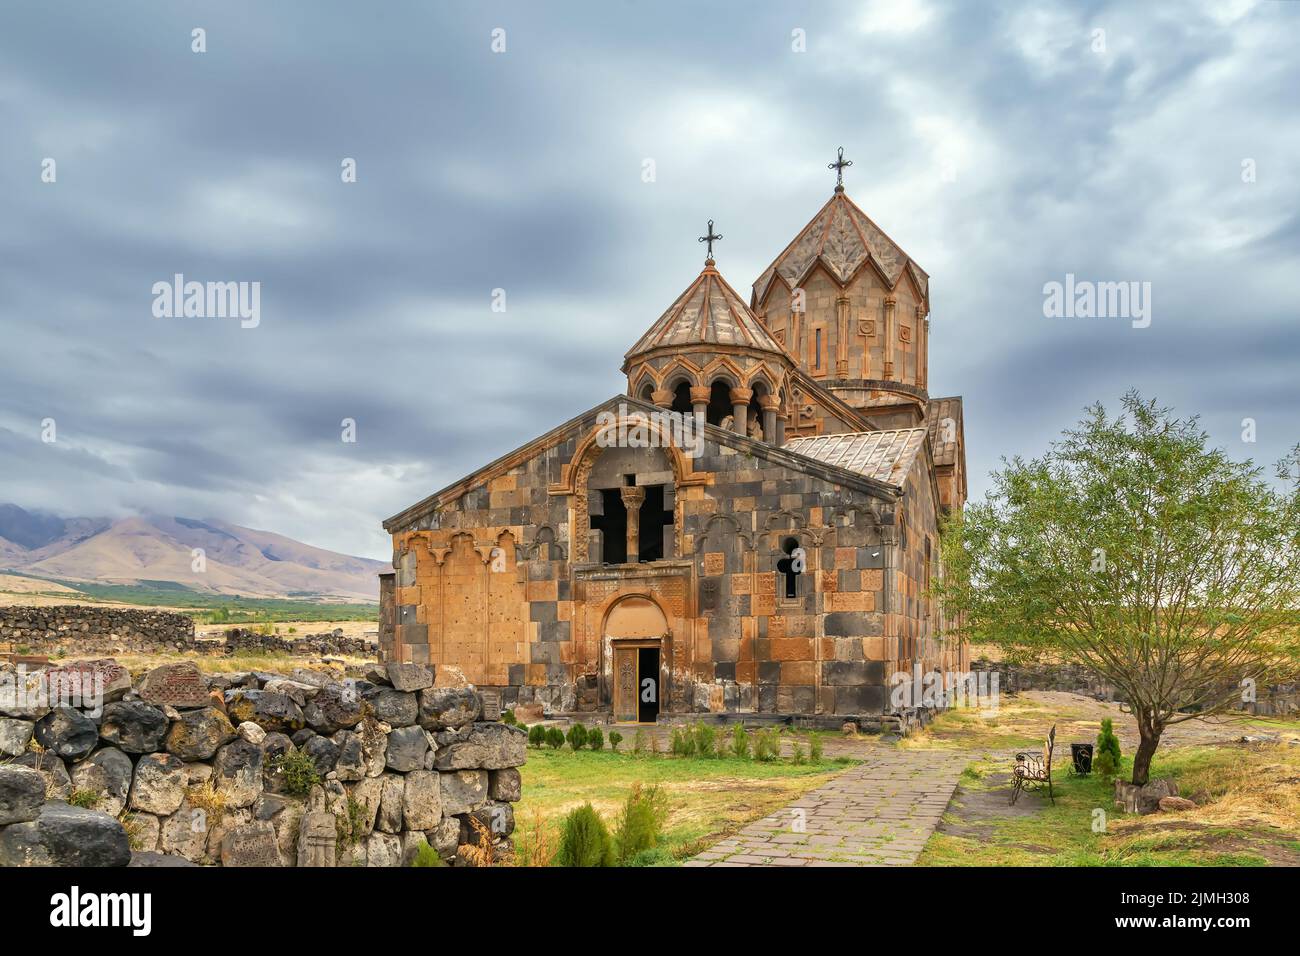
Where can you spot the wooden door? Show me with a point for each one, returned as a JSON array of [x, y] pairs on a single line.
[[625, 684]]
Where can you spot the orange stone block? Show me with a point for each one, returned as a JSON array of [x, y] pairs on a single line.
[[542, 590], [747, 672], [873, 580], [875, 648], [792, 649], [798, 672], [846, 559], [741, 583], [715, 562], [851, 601], [828, 581], [763, 605]]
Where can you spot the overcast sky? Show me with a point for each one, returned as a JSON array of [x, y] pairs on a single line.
[[1001, 146]]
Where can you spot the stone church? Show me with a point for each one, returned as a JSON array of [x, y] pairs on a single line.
[[751, 529]]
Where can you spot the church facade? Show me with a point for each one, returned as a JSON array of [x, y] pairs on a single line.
[[751, 528]]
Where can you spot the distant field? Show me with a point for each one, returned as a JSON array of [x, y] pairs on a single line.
[[165, 595]]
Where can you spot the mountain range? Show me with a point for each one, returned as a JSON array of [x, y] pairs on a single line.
[[150, 549]]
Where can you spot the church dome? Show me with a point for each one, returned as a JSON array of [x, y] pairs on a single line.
[[709, 312], [843, 239]]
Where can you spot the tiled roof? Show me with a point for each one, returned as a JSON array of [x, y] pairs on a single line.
[[842, 237], [943, 441], [885, 455], [709, 311]]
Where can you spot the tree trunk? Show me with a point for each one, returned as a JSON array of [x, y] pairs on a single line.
[[1147, 744]]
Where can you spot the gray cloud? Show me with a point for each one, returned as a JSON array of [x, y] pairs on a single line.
[[992, 142]]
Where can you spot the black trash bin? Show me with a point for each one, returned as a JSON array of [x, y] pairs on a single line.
[[1082, 755]]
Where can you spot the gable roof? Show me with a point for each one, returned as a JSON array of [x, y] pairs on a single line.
[[945, 452], [842, 237], [709, 311], [829, 471], [884, 455]]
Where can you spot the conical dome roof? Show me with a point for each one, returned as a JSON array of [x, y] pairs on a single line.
[[710, 311], [842, 238]]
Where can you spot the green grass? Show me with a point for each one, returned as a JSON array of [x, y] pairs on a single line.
[[217, 608], [707, 798], [1245, 818]]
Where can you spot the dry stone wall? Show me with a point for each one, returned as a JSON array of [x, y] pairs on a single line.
[[251, 769], [75, 624], [82, 629]]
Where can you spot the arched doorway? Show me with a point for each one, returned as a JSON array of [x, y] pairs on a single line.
[[634, 631]]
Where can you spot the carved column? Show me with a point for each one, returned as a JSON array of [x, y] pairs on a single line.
[[739, 407], [792, 346], [922, 347], [632, 498], [700, 400], [662, 397], [770, 404], [842, 337], [890, 334]]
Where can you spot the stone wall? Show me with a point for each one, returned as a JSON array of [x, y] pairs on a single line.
[[179, 768], [1275, 701], [79, 625], [81, 629]]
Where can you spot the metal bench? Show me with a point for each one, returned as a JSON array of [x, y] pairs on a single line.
[[1033, 772]]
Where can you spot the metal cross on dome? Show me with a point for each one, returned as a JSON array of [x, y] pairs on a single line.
[[839, 166], [711, 238]]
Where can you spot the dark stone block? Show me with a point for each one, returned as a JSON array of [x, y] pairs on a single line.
[[554, 631], [860, 699], [515, 674], [543, 612], [726, 649], [546, 652], [769, 672], [767, 698], [840, 673], [564, 589], [413, 633], [871, 557], [847, 624], [406, 613], [724, 671]]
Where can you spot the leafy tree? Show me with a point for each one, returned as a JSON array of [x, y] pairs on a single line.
[[595, 738], [536, 735], [1133, 549], [554, 738], [615, 738]]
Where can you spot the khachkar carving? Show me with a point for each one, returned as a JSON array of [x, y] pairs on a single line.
[[317, 833]]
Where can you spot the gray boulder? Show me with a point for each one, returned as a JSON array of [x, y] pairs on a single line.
[[389, 818], [58, 785], [107, 772], [397, 708], [159, 784], [422, 800], [323, 752], [15, 735], [267, 709], [237, 773], [383, 849], [67, 733], [409, 676], [22, 793], [180, 685], [336, 707], [463, 791], [406, 749], [64, 835], [197, 734], [490, 746], [133, 727], [506, 784], [446, 708]]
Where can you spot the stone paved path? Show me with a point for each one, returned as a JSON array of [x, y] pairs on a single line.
[[879, 813]]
